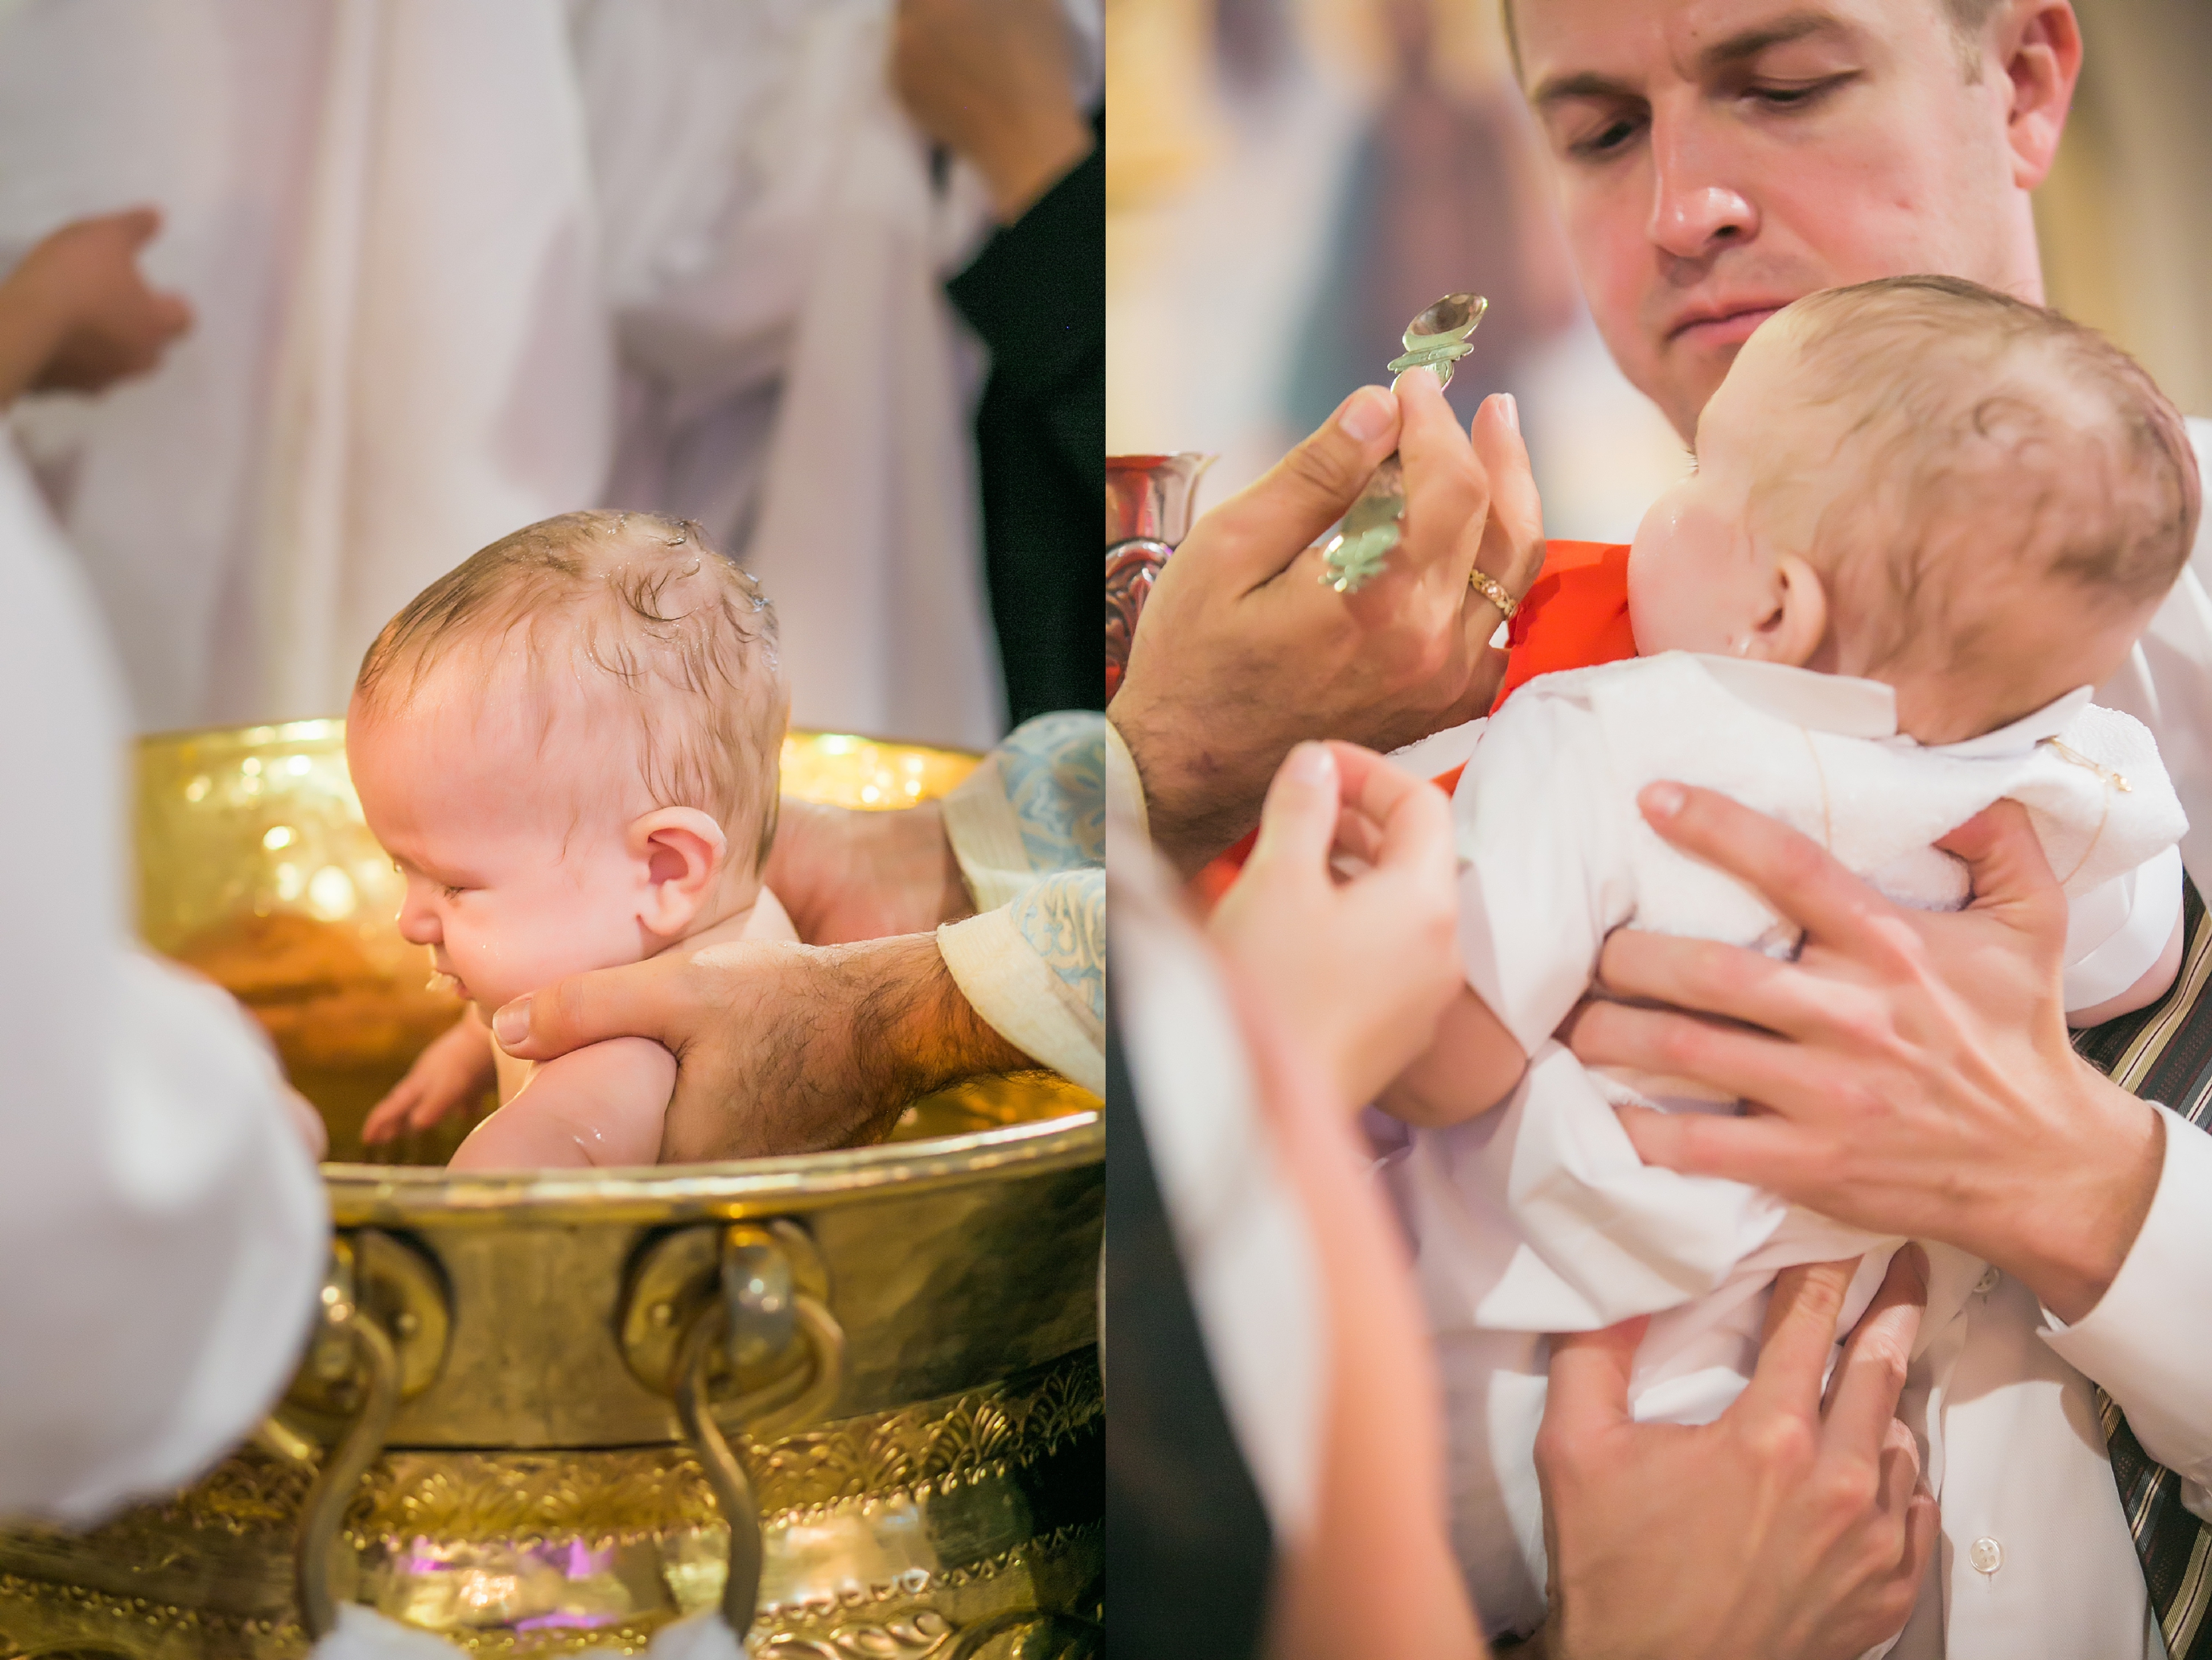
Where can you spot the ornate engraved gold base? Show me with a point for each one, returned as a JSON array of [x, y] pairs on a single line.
[[966, 1526]]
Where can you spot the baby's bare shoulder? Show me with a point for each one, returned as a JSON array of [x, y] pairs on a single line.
[[621, 1070], [601, 1104], [768, 920]]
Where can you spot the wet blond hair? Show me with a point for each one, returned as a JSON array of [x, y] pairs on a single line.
[[683, 639]]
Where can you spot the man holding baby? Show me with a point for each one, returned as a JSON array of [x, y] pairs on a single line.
[[1717, 159]]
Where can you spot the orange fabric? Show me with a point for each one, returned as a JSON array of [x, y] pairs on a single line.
[[1574, 617]]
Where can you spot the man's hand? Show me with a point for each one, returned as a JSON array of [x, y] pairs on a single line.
[[846, 875], [1914, 1068], [1788, 1529], [779, 1048], [1359, 968], [76, 315], [993, 80], [1241, 651]]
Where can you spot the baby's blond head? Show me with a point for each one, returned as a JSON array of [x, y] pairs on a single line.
[[568, 745], [1993, 439], [631, 621], [1989, 498]]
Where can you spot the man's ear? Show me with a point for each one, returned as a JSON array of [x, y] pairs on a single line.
[[1796, 621], [681, 851], [2037, 46]]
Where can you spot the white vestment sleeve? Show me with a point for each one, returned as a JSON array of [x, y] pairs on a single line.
[[2147, 1341], [163, 1232]]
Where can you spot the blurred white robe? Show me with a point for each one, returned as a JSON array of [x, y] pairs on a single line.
[[793, 375], [382, 212], [163, 1230]]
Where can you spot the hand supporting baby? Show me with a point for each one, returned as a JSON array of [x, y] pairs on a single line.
[[1796, 1523], [616, 1076], [604, 1104]]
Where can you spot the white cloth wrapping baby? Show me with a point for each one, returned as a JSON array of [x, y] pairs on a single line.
[[1539, 1217]]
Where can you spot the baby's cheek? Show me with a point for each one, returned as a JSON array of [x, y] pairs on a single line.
[[557, 940]]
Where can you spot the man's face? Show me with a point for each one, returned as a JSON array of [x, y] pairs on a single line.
[[1718, 159]]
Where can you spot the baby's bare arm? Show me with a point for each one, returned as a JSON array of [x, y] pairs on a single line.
[[1471, 1067], [448, 1076], [601, 1106]]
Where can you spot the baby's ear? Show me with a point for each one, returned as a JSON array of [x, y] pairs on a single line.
[[1797, 620], [682, 851]]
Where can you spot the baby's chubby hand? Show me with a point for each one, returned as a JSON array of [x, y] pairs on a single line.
[[446, 1078]]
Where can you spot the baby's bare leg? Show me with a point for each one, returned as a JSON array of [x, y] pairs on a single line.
[[2154, 985], [1471, 1067]]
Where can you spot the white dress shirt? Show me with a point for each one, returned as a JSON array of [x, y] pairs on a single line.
[[163, 1230], [2019, 1456]]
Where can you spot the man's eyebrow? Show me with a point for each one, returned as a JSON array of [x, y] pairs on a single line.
[[1589, 84], [1777, 32], [1726, 54]]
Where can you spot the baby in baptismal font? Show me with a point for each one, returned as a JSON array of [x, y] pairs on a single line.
[[1924, 520], [570, 746]]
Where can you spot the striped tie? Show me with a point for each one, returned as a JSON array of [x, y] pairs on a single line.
[[2164, 1053]]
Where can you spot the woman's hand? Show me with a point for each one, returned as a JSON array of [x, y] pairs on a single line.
[[448, 1077], [1358, 967], [1791, 1528], [1912, 1068]]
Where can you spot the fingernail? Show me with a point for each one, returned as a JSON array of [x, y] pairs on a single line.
[[1435, 379], [1663, 800], [1312, 763], [1367, 414], [511, 1024], [1512, 411]]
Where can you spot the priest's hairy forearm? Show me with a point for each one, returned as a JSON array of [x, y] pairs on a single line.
[[819, 1047]]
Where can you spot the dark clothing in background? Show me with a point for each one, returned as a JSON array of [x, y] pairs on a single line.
[[1188, 1550], [1037, 294]]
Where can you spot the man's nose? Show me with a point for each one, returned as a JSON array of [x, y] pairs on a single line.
[[1696, 208]]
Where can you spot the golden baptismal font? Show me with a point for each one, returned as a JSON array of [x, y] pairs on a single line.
[[852, 1398]]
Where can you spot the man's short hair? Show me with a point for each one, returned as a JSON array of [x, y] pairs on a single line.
[[681, 637], [1966, 18]]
